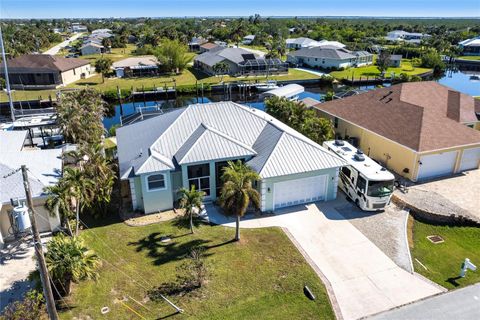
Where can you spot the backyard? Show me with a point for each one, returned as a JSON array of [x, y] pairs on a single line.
[[443, 260], [372, 71], [261, 277]]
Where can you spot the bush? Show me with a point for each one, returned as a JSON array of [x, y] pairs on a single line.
[[30, 308], [432, 60]]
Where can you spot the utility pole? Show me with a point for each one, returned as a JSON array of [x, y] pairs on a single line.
[[7, 80], [47, 289]]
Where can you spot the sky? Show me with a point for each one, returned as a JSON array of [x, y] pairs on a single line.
[[181, 8]]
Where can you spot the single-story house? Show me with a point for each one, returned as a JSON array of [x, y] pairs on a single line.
[[470, 47], [248, 39], [139, 66], [44, 169], [395, 60], [239, 61], [43, 71], [329, 57], [195, 43], [411, 37], [78, 28], [91, 47], [189, 147], [299, 43], [206, 47], [421, 130]]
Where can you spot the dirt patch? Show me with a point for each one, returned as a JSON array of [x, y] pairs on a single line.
[[138, 219]]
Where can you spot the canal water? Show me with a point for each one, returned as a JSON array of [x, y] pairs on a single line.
[[458, 80]]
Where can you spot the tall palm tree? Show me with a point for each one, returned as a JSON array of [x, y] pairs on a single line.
[[190, 200], [80, 188], [68, 259], [238, 192]]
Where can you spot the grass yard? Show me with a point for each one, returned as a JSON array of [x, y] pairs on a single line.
[[262, 277], [372, 71], [188, 77], [443, 260], [469, 58]]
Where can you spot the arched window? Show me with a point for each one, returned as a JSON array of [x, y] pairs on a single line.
[[156, 182]]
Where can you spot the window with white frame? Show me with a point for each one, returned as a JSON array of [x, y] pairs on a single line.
[[156, 182]]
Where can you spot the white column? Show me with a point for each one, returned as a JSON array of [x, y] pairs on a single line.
[[132, 193]]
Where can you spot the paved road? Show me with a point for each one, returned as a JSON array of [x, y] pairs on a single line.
[[363, 279], [461, 304], [54, 50]]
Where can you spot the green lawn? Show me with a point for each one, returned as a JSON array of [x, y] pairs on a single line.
[[469, 57], [443, 260], [372, 71], [262, 277], [188, 77]]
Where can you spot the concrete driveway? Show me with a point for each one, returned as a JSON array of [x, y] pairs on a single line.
[[363, 279]]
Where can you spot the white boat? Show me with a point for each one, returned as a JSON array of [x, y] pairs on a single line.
[[269, 85], [290, 91]]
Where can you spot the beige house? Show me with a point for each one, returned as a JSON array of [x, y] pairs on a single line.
[[43, 71], [44, 169], [421, 130]]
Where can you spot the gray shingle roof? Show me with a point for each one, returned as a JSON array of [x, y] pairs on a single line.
[[327, 52], [221, 130], [234, 55]]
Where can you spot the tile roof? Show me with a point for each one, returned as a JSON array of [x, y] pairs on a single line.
[[415, 114], [222, 130], [43, 61], [136, 61], [209, 45]]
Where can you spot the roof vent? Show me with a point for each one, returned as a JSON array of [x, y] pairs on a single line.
[[339, 143], [359, 157]]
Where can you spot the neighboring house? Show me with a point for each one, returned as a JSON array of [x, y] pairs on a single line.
[[190, 146], [78, 28], [206, 47], [44, 169], [329, 57], [411, 37], [195, 43], [102, 31], [43, 71], [300, 43], [395, 60], [421, 130], [239, 61], [470, 47], [139, 66], [248, 39], [91, 47]]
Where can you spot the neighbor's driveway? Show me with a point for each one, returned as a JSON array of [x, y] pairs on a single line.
[[364, 280]]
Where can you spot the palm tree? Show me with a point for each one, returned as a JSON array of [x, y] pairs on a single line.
[[190, 200], [238, 192], [221, 68], [68, 259], [103, 66], [59, 202], [80, 187]]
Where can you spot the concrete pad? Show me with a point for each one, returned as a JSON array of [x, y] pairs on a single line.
[[364, 280]]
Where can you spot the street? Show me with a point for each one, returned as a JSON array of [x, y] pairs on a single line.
[[55, 49]]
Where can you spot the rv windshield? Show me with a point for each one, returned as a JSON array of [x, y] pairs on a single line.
[[380, 188]]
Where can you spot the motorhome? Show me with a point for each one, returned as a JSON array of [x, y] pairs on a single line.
[[363, 180]]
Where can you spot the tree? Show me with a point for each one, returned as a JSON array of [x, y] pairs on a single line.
[[383, 61], [69, 260], [221, 68], [238, 192], [432, 60], [80, 188], [191, 200], [103, 66], [59, 201], [318, 129], [173, 56]]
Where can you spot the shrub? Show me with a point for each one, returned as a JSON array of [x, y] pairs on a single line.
[[30, 308]]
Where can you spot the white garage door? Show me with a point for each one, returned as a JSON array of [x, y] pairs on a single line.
[[470, 159], [293, 192], [436, 165]]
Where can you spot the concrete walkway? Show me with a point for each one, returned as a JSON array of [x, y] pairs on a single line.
[[363, 279], [55, 49], [317, 73], [461, 304]]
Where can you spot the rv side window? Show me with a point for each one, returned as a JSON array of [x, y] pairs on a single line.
[[361, 183], [346, 171]]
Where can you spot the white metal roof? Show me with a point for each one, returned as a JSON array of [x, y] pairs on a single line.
[[369, 168], [288, 91], [12, 140], [470, 42], [222, 130]]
